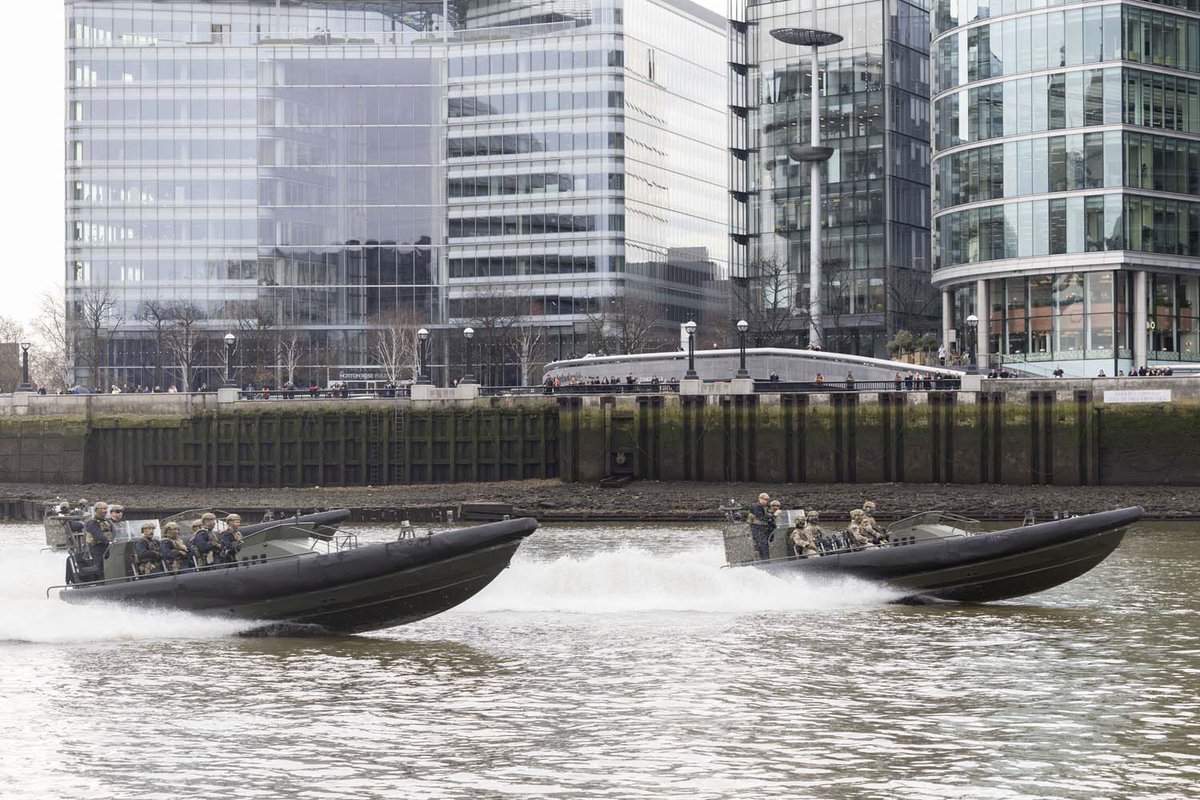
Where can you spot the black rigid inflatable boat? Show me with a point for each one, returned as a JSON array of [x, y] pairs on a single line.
[[282, 574], [931, 555]]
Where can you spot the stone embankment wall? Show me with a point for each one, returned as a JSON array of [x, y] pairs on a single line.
[[1018, 433]]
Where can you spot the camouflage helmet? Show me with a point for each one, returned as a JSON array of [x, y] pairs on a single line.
[[197, 523], [869, 506], [813, 516], [233, 518], [856, 513], [171, 527], [208, 516], [148, 526]]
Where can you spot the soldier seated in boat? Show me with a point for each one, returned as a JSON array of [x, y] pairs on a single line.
[[98, 533], [230, 540], [175, 554], [855, 538], [147, 558], [204, 541], [820, 539], [873, 530], [803, 541]]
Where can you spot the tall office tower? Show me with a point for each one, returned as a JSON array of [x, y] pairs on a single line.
[[310, 175], [874, 113], [1066, 180]]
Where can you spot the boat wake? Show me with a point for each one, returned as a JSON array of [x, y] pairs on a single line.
[[28, 616], [633, 580]]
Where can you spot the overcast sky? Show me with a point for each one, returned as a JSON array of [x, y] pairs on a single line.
[[32, 61]]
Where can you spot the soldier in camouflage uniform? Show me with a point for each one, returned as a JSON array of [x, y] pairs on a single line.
[[855, 538], [147, 558], [204, 541], [874, 531], [175, 554], [820, 539], [762, 526], [98, 533], [230, 540], [803, 541]]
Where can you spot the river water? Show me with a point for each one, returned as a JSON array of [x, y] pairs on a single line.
[[621, 663]]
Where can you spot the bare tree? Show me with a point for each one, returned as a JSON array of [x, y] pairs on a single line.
[[95, 319], [158, 316], [257, 343], [292, 352], [529, 344], [394, 345], [185, 340], [628, 323], [913, 301], [767, 299], [50, 360]]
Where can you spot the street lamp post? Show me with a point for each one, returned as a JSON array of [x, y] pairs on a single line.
[[814, 154], [25, 386], [469, 377], [690, 327], [422, 371], [973, 328], [229, 341], [742, 327]]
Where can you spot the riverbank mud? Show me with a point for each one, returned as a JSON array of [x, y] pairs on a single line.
[[550, 500]]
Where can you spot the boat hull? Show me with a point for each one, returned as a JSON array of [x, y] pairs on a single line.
[[348, 591], [983, 567]]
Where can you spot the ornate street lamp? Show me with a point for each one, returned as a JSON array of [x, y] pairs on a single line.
[[691, 375], [973, 328], [742, 327], [229, 342], [468, 377], [814, 154], [422, 341], [25, 386]]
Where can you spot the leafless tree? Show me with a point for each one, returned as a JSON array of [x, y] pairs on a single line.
[[257, 342], [293, 349], [158, 317], [529, 345], [394, 345], [628, 323], [50, 359], [766, 299], [95, 318], [913, 301], [185, 341], [11, 335]]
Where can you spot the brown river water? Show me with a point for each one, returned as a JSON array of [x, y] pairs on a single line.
[[621, 662]]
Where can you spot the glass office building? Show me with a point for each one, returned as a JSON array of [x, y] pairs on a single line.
[[309, 171], [874, 109], [1066, 181]]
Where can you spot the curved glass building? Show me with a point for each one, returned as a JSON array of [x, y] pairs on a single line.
[[304, 173], [1066, 181]]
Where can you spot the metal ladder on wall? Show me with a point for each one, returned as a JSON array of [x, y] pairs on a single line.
[[374, 447], [399, 457]]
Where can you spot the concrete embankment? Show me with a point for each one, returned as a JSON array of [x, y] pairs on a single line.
[[651, 501]]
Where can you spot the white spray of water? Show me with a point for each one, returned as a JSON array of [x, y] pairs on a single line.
[[28, 615], [632, 580]]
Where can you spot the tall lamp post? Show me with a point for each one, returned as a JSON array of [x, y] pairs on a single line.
[[814, 154], [422, 371], [25, 386], [229, 341], [469, 377], [742, 327], [973, 329], [690, 328]]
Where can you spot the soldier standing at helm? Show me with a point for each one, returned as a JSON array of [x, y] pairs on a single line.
[[204, 541], [230, 539], [175, 554], [146, 554], [98, 533], [762, 526]]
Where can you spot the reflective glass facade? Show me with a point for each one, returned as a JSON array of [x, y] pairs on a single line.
[[874, 108], [316, 168], [1066, 179]]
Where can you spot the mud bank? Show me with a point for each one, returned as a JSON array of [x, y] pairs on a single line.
[[552, 501]]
